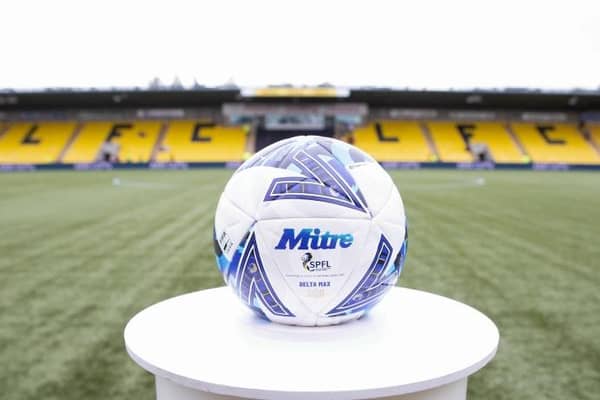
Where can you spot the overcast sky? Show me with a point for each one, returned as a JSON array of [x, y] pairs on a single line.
[[417, 44]]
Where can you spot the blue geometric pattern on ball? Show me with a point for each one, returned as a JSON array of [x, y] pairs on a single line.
[[379, 278], [277, 155], [401, 257], [325, 176], [252, 284]]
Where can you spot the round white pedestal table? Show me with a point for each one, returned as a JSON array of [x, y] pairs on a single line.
[[413, 345]]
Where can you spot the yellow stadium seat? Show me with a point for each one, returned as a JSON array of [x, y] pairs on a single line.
[[34, 143], [451, 141], [393, 141], [3, 128], [555, 143], [136, 141], [498, 140], [594, 131], [195, 141]]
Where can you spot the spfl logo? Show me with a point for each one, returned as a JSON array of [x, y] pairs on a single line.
[[314, 265]]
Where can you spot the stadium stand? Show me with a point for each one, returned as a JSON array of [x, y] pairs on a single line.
[[136, 141], [555, 143], [499, 141], [197, 141], [266, 137], [450, 144], [594, 130], [3, 128], [393, 141], [34, 143], [451, 140], [386, 140]]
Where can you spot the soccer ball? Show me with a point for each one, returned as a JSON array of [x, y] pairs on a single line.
[[310, 231]]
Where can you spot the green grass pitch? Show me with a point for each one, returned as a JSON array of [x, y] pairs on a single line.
[[79, 257]]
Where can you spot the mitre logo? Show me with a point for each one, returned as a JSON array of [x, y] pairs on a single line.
[[314, 239]]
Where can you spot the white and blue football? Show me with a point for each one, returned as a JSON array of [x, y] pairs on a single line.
[[310, 231]]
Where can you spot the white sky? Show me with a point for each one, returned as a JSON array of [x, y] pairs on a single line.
[[417, 44]]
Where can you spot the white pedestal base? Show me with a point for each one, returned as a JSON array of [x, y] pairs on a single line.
[[169, 390], [413, 346]]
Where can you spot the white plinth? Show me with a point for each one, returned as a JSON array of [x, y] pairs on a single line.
[[413, 345]]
